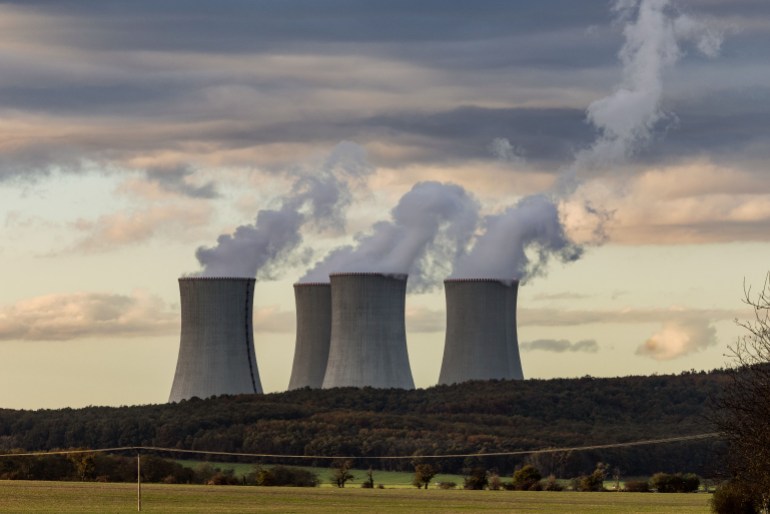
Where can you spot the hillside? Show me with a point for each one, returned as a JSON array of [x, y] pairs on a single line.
[[472, 417]]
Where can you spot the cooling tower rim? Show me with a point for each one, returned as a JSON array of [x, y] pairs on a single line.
[[504, 281], [396, 276], [238, 279], [312, 284]]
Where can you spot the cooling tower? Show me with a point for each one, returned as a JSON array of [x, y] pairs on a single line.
[[368, 338], [216, 348], [514, 359], [481, 341], [314, 326]]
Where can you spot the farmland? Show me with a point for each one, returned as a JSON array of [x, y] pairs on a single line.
[[72, 497]]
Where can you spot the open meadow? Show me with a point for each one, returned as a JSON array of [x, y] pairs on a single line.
[[79, 497], [389, 479]]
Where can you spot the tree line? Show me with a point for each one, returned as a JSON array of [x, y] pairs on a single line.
[[482, 416]]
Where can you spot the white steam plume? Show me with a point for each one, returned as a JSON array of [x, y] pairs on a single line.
[[532, 224], [319, 199], [519, 242], [428, 230], [626, 119]]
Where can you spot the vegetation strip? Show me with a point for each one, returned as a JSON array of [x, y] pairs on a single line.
[[390, 457]]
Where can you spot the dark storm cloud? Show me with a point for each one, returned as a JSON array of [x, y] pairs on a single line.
[[108, 99], [234, 26], [465, 133], [113, 81], [724, 124]]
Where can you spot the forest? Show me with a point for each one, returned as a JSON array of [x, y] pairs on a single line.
[[473, 417]]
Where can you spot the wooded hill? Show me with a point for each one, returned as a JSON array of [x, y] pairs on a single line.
[[491, 416]]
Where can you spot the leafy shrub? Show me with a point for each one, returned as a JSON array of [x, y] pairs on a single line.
[[675, 483], [447, 485], [526, 478], [477, 479], [279, 476], [592, 482], [733, 498]]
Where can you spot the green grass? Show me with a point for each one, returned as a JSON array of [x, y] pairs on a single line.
[[72, 497], [389, 479]]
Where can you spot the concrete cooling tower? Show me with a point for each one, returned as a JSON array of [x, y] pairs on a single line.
[[314, 326], [216, 348], [514, 359], [368, 337], [481, 341]]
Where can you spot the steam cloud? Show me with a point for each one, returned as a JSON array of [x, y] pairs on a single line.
[[320, 200], [499, 252], [627, 118], [433, 224], [519, 242], [428, 230]]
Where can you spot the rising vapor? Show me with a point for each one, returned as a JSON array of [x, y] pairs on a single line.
[[532, 224], [427, 231], [317, 199], [519, 242], [626, 119]]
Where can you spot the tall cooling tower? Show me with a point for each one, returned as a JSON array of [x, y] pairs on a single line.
[[368, 338], [216, 348], [481, 341], [514, 359], [314, 326]]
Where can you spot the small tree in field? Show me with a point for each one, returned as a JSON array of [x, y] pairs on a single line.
[[476, 479], [342, 473], [423, 474], [594, 481], [526, 478], [369, 483], [742, 412]]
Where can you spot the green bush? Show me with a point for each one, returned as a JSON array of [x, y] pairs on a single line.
[[476, 479], [732, 498], [284, 476], [592, 482], [675, 483], [526, 478]]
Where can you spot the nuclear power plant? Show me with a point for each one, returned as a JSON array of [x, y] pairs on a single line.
[[481, 341], [517, 373], [350, 333], [314, 325], [368, 335], [216, 347]]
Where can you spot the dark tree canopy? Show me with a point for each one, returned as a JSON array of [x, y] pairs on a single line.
[[491, 416]]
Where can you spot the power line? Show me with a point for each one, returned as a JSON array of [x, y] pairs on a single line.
[[643, 442]]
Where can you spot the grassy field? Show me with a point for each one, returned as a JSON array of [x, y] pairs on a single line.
[[72, 497], [388, 479]]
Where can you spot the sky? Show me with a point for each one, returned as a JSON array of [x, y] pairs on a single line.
[[613, 156]]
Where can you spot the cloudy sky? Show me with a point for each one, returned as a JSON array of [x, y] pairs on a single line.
[[612, 155]]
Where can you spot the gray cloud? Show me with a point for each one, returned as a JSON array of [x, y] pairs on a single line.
[[175, 179], [562, 317], [560, 345], [242, 76]]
